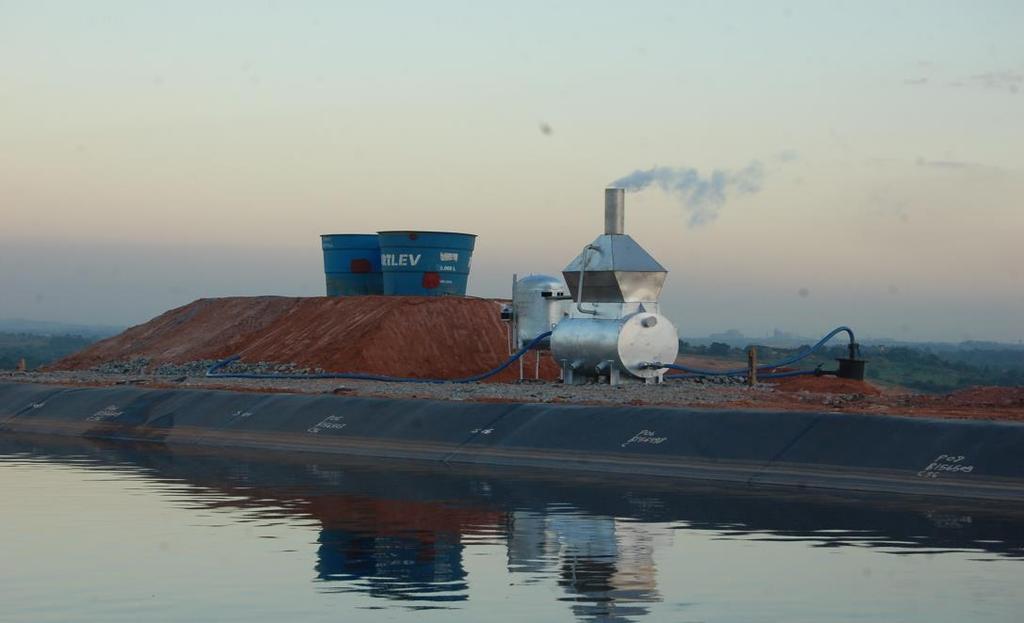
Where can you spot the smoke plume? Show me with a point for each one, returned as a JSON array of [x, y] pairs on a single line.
[[701, 197]]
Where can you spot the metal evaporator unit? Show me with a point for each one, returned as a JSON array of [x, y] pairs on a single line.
[[608, 325], [613, 329]]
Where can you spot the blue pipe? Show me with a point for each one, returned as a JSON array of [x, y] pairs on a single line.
[[768, 366], [783, 375], [211, 372], [774, 375]]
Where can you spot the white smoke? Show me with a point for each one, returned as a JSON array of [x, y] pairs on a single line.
[[701, 197]]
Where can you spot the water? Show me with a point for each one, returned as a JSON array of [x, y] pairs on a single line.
[[93, 531]]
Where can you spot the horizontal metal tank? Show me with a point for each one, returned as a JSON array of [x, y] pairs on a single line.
[[425, 263], [590, 347], [352, 264], [539, 302]]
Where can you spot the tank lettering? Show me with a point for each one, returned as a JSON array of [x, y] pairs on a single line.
[[400, 259], [646, 436], [448, 256], [944, 520], [946, 463], [106, 413], [329, 423]]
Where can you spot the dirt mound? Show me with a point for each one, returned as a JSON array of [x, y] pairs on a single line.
[[421, 337], [203, 329], [824, 385], [975, 403], [999, 397]]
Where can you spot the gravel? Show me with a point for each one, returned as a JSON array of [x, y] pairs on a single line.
[[696, 392], [143, 366], [142, 372]]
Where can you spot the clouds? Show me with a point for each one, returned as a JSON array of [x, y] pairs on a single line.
[[958, 165], [787, 155], [701, 196], [1007, 81], [942, 164]]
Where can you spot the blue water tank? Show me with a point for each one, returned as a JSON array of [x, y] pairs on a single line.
[[352, 264], [425, 263]]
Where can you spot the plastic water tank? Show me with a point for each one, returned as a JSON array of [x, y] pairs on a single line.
[[425, 263], [352, 264]]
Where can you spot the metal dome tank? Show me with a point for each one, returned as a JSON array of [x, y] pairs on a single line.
[[539, 302]]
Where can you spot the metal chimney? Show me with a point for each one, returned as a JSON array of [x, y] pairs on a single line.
[[614, 210], [614, 268]]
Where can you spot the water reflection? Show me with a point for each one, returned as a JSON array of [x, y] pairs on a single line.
[[606, 565], [400, 532], [393, 549]]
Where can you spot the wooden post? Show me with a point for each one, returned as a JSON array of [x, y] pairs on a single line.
[[752, 365], [21, 365]]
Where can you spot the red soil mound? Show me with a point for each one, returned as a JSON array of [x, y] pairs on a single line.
[[423, 337], [203, 329], [824, 385], [998, 397]]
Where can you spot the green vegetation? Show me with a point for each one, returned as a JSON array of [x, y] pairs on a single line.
[[37, 350], [915, 368]]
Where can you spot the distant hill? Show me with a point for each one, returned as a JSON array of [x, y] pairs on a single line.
[[37, 350], [930, 367], [784, 339], [41, 327]]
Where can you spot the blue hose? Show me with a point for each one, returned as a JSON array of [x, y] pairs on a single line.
[[775, 375], [692, 372], [785, 375], [212, 371]]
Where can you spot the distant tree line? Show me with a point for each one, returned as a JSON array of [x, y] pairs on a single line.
[[915, 368], [37, 350]]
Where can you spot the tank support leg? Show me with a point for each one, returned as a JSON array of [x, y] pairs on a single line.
[[568, 374], [613, 374]]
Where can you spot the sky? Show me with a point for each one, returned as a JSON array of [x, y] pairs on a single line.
[[849, 163]]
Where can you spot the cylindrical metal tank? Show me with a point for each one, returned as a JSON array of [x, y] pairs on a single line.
[[425, 263], [538, 303], [352, 264], [588, 346]]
